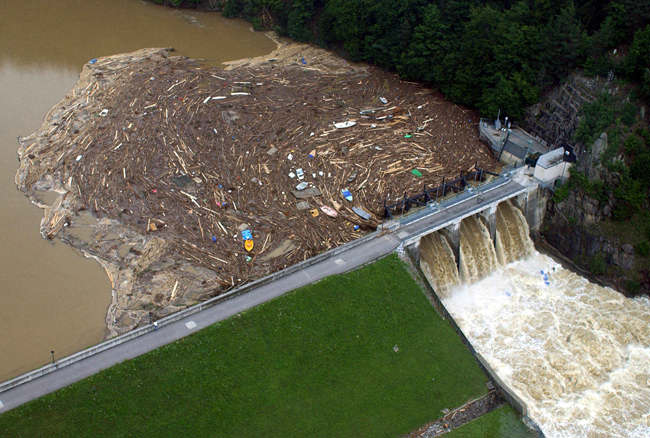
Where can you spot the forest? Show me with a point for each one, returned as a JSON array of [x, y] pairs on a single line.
[[488, 55], [502, 55]]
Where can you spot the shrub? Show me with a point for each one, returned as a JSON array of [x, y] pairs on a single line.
[[597, 265], [642, 248]]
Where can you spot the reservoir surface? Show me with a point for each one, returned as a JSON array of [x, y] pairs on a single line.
[[51, 297]]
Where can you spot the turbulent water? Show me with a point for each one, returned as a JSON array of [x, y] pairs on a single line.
[[477, 255], [438, 263], [576, 353]]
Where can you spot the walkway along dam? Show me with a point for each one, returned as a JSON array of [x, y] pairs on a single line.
[[539, 330]]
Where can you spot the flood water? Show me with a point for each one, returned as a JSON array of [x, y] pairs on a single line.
[[576, 353], [51, 298]]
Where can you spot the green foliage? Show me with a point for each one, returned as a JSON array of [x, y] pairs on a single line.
[[642, 248], [596, 117], [503, 422], [632, 286], [561, 192], [630, 196], [597, 264], [488, 55], [633, 145], [628, 114], [594, 189], [318, 362]]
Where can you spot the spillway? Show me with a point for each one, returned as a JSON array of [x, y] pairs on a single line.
[[438, 263], [576, 353]]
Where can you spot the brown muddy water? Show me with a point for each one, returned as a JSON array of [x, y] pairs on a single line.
[[51, 298]]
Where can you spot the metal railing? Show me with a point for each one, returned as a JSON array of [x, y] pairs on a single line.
[[435, 194], [181, 314]]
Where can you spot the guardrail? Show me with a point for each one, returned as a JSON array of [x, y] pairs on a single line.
[[135, 333], [469, 192]]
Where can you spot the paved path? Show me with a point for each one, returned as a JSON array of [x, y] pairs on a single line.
[[348, 260]]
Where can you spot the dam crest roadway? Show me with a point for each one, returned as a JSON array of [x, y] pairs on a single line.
[[394, 234]]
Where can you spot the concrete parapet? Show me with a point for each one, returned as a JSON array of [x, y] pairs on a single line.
[[452, 233]]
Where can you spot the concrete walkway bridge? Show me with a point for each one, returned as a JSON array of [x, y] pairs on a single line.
[[392, 234]]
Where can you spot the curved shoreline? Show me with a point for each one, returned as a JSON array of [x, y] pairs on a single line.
[[154, 273]]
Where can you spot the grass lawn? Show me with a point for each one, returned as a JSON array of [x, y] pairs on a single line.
[[317, 362], [502, 422]]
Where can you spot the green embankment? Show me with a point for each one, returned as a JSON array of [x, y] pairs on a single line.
[[502, 422], [317, 362]]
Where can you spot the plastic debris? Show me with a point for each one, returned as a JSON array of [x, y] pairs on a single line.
[[416, 173], [302, 186], [328, 211], [352, 177], [356, 228], [300, 174], [314, 212], [292, 175], [249, 258], [290, 157], [341, 125], [361, 212], [302, 59], [246, 234], [92, 61], [408, 136], [383, 100], [346, 194], [248, 245], [103, 113], [372, 125], [214, 238], [272, 151], [303, 205], [307, 193], [78, 157]]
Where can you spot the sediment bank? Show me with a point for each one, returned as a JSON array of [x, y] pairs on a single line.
[[159, 163]]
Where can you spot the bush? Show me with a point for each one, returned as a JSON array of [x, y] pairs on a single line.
[[633, 145], [597, 116], [642, 248], [561, 192], [597, 265]]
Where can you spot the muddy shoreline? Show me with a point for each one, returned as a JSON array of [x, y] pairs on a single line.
[[161, 204]]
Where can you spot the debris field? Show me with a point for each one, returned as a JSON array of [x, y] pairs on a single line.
[[278, 155]]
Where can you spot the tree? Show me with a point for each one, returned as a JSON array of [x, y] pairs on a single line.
[[427, 48]]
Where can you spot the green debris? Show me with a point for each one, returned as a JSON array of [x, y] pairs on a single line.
[[416, 173]]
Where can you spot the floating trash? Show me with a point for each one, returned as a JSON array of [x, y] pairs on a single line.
[[246, 234], [302, 186], [329, 211], [416, 173], [361, 212], [341, 125], [383, 100], [346, 194]]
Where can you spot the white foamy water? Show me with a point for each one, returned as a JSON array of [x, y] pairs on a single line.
[[576, 353]]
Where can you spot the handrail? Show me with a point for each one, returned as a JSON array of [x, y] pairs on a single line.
[[135, 333]]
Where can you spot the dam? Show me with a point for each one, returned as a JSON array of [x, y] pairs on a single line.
[[574, 354]]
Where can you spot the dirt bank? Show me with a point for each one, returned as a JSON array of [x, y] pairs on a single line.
[[161, 166]]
